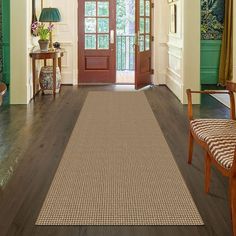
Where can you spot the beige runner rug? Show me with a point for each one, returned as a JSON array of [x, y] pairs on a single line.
[[117, 169]]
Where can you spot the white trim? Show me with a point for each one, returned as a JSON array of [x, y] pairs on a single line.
[[174, 55], [160, 48], [174, 85], [171, 71]]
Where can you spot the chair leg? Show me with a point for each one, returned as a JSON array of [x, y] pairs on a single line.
[[232, 191], [207, 172], [190, 148]]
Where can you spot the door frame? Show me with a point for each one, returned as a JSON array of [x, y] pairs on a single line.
[[146, 77], [107, 57], [154, 45]]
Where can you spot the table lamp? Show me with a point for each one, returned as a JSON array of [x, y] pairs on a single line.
[[50, 15]]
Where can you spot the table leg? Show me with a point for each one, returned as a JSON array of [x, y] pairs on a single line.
[[59, 63], [34, 76], [45, 62], [54, 75]]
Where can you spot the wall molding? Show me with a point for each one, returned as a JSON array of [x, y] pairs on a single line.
[[210, 59], [175, 55], [173, 72], [174, 84]]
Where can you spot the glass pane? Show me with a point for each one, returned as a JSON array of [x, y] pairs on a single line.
[[148, 8], [90, 8], [103, 41], [103, 8], [90, 41], [141, 8], [147, 43], [141, 29], [147, 27], [103, 25], [90, 25], [141, 43]]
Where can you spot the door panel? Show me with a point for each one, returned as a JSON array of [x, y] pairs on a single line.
[[143, 43], [96, 63], [97, 43]]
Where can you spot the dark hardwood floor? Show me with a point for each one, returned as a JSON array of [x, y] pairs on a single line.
[[38, 134]]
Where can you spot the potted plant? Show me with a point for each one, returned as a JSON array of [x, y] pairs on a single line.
[[39, 29]]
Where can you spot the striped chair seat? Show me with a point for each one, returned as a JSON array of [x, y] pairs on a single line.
[[220, 136]]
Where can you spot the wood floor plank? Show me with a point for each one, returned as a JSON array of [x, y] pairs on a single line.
[[50, 123]]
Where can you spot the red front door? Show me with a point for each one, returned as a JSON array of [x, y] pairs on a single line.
[[143, 52], [97, 41]]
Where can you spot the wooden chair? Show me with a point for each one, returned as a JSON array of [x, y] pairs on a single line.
[[218, 139], [3, 89]]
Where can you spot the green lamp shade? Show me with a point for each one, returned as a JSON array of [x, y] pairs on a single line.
[[50, 15]]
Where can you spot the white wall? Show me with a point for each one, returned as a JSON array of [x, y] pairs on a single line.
[[174, 78], [192, 48], [160, 49], [21, 44], [20, 37], [184, 51], [66, 33]]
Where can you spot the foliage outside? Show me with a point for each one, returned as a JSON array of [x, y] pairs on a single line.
[[97, 30], [125, 27]]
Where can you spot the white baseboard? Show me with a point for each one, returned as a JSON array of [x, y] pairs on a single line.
[[174, 84]]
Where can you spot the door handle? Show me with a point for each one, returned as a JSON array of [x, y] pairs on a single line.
[[112, 37], [137, 36]]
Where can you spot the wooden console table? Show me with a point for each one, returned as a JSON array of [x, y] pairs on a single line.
[[55, 56]]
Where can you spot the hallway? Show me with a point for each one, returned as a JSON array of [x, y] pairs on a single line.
[[40, 140]]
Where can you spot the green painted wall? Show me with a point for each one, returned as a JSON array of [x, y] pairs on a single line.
[[1, 54], [210, 58], [6, 40], [211, 34]]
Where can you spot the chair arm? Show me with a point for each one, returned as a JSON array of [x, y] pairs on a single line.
[[190, 105], [3, 89]]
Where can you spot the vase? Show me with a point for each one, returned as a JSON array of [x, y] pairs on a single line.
[[46, 79], [43, 44]]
